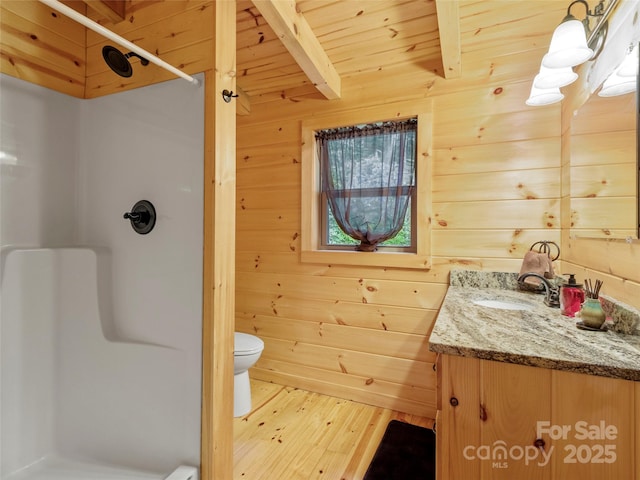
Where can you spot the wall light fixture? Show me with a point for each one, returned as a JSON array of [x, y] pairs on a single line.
[[569, 41], [573, 43]]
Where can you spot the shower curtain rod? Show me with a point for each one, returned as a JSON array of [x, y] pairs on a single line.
[[71, 13]]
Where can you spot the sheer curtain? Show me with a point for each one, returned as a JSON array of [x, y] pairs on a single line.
[[368, 176]]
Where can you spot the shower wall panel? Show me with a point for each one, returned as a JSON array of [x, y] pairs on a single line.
[[38, 147], [149, 144], [27, 359], [70, 169]]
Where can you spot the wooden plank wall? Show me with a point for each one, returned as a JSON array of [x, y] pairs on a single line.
[[496, 190], [498, 186], [497, 183], [179, 32], [42, 46]]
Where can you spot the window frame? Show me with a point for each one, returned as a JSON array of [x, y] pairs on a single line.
[[311, 202]]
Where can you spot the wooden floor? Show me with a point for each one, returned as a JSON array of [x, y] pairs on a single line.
[[293, 434]]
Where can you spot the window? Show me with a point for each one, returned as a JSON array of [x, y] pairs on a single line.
[[323, 239], [333, 237], [367, 185]]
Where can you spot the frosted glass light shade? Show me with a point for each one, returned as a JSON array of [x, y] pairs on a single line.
[[543, 96], [629, 66], [568, 46], [624, 79], [554, 77], [617, 85]]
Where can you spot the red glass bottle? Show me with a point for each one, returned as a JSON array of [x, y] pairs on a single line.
[[571, 297]]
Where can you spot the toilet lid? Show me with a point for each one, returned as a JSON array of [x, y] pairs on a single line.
[[245, 344]]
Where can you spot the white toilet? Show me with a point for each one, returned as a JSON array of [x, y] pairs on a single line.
[[246, 352]]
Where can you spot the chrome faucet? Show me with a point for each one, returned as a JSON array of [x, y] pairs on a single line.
[[552, 293]]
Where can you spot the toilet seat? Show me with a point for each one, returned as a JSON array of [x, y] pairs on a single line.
[[245, 344]]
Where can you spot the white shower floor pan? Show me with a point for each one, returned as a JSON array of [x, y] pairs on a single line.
[[58, 468]]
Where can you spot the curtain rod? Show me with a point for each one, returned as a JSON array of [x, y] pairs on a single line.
[[71, 13]]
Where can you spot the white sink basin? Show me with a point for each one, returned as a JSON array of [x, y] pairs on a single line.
[[501, 305]]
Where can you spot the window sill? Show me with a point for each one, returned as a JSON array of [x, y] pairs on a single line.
[[367, 259]]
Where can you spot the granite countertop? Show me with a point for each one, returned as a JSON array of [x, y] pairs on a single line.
[[539, 336]]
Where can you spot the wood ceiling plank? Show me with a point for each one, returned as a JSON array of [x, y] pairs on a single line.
[[145, 14], [296, 34], [258, 53], [351, 18], [449, 26], [396, 32], [114, 10], [248, 17], [419, 54]]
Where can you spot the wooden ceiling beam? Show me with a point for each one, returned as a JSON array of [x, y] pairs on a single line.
[[114, 10], [296, 35], [449, 27]]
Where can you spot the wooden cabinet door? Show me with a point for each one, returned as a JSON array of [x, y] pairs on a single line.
[[589, 426], [460, 420], [594, 419], [513, 399]]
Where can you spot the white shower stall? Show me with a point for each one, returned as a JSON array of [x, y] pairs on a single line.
[[100, 327]]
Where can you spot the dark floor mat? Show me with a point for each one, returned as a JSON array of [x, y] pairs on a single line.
[[405, 452]]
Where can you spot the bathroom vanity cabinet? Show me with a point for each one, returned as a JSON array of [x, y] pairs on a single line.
[[523, 394], [499, 420]]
